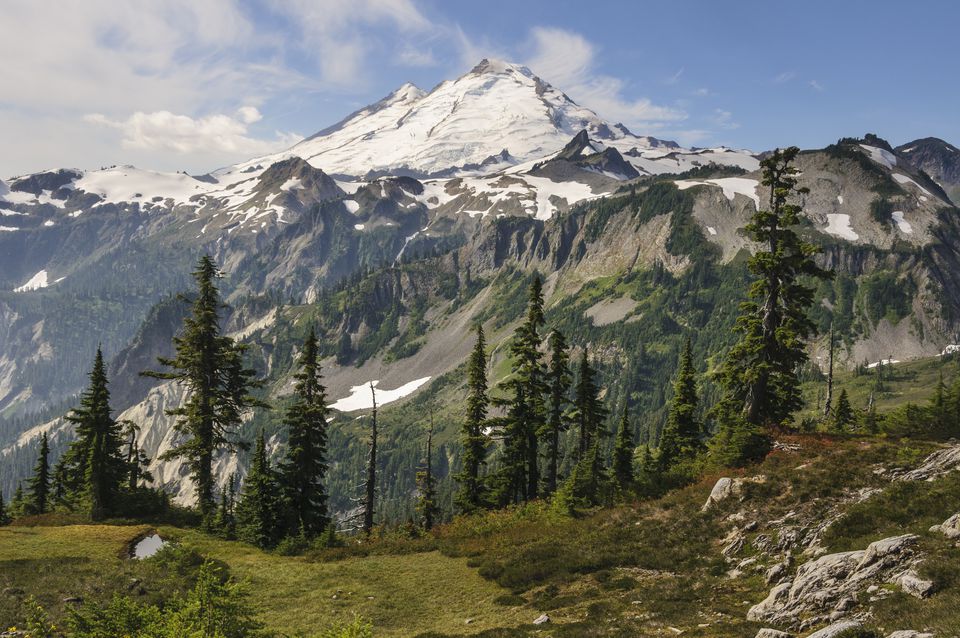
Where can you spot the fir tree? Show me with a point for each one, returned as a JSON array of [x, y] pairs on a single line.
[[210, 365], [4, 516], [843, 416], [519, 478], [427, 485], [587, 479], [681, 436], [18, 505], [473, 438], [258, 510], [759, 375], [226, 521], [623, 454], [559, 383], [305, 467], [94, 466], [589, 411], [40, 482]]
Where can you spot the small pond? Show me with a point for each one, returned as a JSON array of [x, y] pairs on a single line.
[[148, 546]]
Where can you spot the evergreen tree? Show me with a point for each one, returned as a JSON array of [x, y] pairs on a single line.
[[586, 482], [258, 511], [843, 416], [623, 454], [4, 516], [589, 411], [473, 438], [519, 478], [681, 436], [759, 375], [210, 365], [18, 505], [40, 483], [305, 467], [427, 485], [137, 460], [559, 382], [94, 466], [226, 521]]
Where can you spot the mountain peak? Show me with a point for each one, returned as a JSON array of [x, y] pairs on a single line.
[[495, 66]]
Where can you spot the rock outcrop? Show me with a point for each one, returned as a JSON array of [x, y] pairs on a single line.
[[949, 528], [934, 466], [827, 588]]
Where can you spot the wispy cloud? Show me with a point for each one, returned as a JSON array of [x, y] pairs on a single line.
[[816, 86], [166, 131], [673, 79], [784, 77], [567, 60], [724, 119]]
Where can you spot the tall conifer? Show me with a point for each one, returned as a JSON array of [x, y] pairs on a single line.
[[258, 511], [559, 380], [759, 375], [40, 482], [681, 436], [623, 453], [305, 467], [211, 367], [427, 485], [473, 437], [94, 466], [590, 412]]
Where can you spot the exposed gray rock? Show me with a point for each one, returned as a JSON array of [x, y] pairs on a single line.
[[911, 583], [910, 633], [835, 629], [542, 620], [772, 633], [949, 528], [726, 487], [826, 588], [776, 572], [723, 489], [934, 466]]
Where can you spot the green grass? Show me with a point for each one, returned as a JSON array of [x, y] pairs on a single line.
[[635, 569]]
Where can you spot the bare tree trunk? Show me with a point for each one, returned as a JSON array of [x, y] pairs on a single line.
[[828, 406], [368, 504]]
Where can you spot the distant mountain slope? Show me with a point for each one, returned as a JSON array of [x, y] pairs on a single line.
[[939, 159]]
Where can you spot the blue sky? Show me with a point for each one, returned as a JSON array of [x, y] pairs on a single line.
[[187, 85]]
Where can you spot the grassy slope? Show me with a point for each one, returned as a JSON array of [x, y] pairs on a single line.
[[632, 570]]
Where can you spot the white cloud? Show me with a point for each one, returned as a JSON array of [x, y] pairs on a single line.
[[220, 133], [784, 77], [724, 119], [816, 86], [330, 31], [566, 60], [411, 56]]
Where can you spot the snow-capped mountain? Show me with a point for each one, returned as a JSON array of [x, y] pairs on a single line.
[[495, 116]]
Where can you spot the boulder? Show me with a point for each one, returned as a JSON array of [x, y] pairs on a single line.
[[909, 633], [542, 620], [826, 588], [772, 633], [949, 528], [910, 582], [835, 629], [723, 489]]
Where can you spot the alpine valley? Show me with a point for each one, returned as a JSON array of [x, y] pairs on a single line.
[[395, 231]]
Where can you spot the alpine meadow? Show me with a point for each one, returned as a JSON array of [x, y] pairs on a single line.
[[493, 358]]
